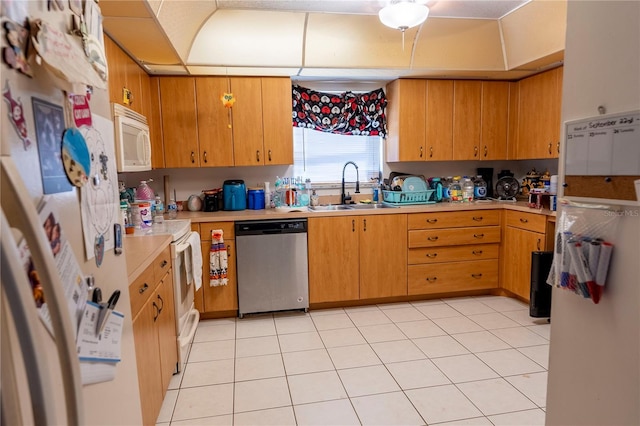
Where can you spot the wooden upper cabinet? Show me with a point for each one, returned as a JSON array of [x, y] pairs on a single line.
[[495, 120], [539, 115], [439, 122], [215, 132], [155, 124], [277, 120], [467, 104], [248, 134], [514, 116], [124, 72], [406, 125], [179, 121]]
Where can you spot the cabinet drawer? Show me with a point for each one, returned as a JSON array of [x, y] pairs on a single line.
[[454, 219], [227, 229], [453, 276], [456, 236], [453, 254], [162, 264], [528, 221], [141, 289]]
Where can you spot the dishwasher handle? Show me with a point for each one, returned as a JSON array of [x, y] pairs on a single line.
[[272, 231]]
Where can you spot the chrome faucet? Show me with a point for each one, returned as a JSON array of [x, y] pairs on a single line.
[[343, 198]]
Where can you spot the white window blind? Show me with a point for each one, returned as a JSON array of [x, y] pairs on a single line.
[[321, 156]]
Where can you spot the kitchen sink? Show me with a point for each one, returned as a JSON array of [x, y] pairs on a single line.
[[329, 207], [371, 206], [336, 207]]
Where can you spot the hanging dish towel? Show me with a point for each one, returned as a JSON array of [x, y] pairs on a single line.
[[193, 260], [217, 260]]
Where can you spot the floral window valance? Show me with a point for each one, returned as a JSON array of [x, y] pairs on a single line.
[[347, 113]]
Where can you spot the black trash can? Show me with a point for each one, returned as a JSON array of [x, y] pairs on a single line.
[[540, 295]]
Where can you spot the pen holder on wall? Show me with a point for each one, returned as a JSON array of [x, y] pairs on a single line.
[[583, 248]]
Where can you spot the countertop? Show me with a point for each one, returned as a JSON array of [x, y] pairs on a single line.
[[140, 251], [230, 216]]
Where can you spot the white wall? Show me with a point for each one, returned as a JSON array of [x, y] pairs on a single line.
[[594, 361]]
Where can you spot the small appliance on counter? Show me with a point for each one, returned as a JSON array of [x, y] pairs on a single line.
[[212, 200], [235, 194]]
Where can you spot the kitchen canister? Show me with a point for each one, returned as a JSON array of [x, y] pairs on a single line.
[[256, 198]]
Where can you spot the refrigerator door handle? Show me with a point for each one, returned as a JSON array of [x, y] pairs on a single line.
[[21, 214], [15, 292]]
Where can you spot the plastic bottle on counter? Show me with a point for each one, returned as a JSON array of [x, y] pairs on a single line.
[[144, 191], [446, 182], [467, 190], [159, 210], [455, 190], [172, 209], [480, 188]]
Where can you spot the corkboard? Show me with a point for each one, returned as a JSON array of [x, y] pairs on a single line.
[[609, 187]]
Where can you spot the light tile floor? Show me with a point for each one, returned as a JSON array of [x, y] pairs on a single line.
[[473, 361]]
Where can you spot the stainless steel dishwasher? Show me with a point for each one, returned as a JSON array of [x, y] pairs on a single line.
[[271, 256]]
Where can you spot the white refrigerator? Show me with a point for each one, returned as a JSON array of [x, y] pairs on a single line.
[[42, 377]]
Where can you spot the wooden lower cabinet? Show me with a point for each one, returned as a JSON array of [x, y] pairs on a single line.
[[453, 251], [154, 332], [224, 298], [357, 257], [518, 245], [453, 276]]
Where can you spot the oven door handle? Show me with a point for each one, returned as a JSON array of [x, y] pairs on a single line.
[[187, 336], [181, 247]]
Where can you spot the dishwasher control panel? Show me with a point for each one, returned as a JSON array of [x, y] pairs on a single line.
[[278, 226]]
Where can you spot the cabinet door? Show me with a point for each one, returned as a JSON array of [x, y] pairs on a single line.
[[155, 126], [148, 361], [538, 116], [215, 133], [115, 61], [166, 325], [439, 130], [179, 121], [276, 120], [467, 99], [133, 75], [248, 134], [557, 113], [406, 113], [223, 297], [518, 245], [383, 256], [495, 118], [333, 259]]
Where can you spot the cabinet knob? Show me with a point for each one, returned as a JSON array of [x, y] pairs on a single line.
[[258, 156], [432, 255], [485, 150], [163, 263], [353, 225], [205, 156], [162, 306], [228, 250], [432, 238], [478, 235], [475, 151], [476, 276], [432, 220], [538, 244], [478, 218], [431, 279], [550, 144], [193, 157], [558, 145], [420, 152], [144, 288], [477, 252], [270, 155], [156, 313], [365, 225], [430, 152], [523, 220]]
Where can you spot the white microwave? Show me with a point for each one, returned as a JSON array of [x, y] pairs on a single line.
[[133, 145]]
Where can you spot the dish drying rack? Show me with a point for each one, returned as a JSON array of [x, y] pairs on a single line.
[[404, 198]]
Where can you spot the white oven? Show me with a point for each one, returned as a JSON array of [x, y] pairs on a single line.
[[187, 317]]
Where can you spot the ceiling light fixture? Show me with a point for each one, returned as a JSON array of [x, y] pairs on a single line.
[[403, 14]]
